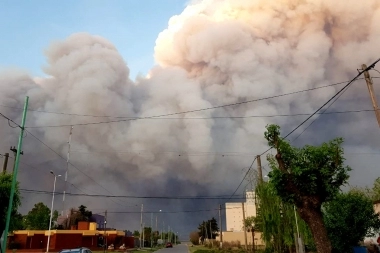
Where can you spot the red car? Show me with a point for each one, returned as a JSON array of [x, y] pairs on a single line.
[[169, 245]]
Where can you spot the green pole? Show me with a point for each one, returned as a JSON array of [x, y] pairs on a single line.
[[14, 177]]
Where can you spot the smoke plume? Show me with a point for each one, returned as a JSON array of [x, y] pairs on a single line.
[[214, 53]]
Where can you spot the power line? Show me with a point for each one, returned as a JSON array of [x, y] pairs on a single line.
[[303, 122], [328, 101], [324, 112], [190, 111], [133, 196], [111, 116], [249, 169], [205, 118]]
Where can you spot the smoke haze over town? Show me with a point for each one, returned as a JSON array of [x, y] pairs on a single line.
[[166, 133]]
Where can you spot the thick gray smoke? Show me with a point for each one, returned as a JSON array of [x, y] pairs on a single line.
[[215, 52]]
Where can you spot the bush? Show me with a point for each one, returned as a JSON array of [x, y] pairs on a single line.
[[194, 238], [14, 245]]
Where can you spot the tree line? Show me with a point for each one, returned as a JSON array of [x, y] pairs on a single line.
[[305, 184], [38, 217], [303, 199]]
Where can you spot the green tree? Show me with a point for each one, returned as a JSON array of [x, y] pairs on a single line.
[[136, 233], [77, 215], [17, 222], [276, 221], [249, 224], [208, 229], [375, 191], [5, 190], [38, 218], [349, 218], [307, 177], [147, 235], [84, 214]]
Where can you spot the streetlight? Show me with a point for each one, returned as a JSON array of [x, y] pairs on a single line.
[[51, 210]]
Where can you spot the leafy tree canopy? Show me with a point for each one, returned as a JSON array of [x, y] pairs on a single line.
[[208, 229], [308, 171], [307, 177], [5, 190], [349, 218], [38, 218]]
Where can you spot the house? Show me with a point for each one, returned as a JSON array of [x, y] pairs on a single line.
[[85, 234]]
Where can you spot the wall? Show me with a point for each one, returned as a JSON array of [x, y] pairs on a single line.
[[234, 215], [239, 236]]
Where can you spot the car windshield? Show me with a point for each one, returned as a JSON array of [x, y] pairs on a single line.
[[70, 251]]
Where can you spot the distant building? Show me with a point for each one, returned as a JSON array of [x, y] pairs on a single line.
[[99, 219], [85, 234], [234, 221], [234, 213]]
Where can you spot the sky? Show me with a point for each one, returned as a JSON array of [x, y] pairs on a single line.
[[225, 70], [28, 27]]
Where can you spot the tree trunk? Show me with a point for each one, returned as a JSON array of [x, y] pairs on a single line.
[[253, 240], [313, 218]]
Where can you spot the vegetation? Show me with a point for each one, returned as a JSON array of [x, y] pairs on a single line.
[[38, 218], [208, 229], [75, 216], [249, 224], [276, 220], [5, 190], [136, 233], [349, 218], [307, 177], [194, 237]]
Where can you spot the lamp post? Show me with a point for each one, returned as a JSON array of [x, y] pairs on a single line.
[[51, 210]]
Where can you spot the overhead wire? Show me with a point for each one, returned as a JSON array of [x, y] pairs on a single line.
[[314, 113], [189, 111], [132, 196], [59, 156], [315, 119], [111, 116]]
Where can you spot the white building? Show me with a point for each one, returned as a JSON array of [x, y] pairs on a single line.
[[234, 212]]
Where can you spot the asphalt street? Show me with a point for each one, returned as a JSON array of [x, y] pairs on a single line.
[[180, 248]]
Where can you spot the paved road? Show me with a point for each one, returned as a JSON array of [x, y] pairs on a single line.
[[180, 248]]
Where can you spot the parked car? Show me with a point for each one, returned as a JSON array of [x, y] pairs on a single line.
[[169, 245], [76, 250]]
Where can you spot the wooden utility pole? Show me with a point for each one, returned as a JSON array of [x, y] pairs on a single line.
[[14, 150], [245, 229], [5, 164], [220, 224], [372, 93], [104, 236], [259, 169]]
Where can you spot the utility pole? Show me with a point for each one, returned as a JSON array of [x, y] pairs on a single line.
[[168, 232], [67, 169], [162, 230], [205, 226], [245, 230], [14, 150], [104, 236], [368, 79], [151, 230], [220, 223], [141, 223], [259, 168], [143, 234], [14, 178], [5, 164]]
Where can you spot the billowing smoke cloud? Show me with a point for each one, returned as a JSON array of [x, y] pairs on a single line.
[[215, 52]]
